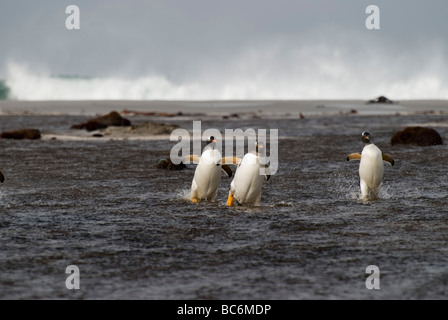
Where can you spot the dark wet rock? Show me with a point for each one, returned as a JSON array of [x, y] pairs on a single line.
[[153, 128], [32, 134], [102, 122], [167, 164], [140, 130], [231, 115], [418, 136], [2, 177], [381, 99], [152, 113]]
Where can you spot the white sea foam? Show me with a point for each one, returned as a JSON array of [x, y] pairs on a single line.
[[27, 84], [273, 71]]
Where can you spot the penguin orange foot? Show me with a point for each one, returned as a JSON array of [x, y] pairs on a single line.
[[195, 200], [230, 200]]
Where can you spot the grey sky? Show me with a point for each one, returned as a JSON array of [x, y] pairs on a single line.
[[197, 41]]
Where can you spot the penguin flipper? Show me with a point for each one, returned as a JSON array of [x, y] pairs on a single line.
[[354, 156], [192, 159], [2, 177], [267, 172], [388, 159], [231, 160], [227, 170]]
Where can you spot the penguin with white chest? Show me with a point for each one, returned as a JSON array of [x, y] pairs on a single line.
[[371, 167], [247, 184], [207, 175]]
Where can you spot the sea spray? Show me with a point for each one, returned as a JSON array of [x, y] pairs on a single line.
[[268, 70], [29, 85]]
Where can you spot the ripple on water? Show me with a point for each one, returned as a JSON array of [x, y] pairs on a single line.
[[131, 229]]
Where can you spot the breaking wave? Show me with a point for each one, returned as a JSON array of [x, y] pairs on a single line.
[[274, 72], [25, 84]]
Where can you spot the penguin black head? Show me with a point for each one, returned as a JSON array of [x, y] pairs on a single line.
[[259, 146], [210, 144], [366, 138], [211, 139]]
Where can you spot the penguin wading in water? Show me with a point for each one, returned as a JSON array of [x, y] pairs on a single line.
[[207, 175], [246, 186], [371, 167]]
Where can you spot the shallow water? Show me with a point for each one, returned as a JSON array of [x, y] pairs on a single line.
[[102, 205]]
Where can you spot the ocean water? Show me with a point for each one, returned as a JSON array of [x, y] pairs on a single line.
[[4, 90], [102, 205]]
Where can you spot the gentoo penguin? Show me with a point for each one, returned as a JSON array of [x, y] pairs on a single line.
[[246, 186], [207, 175], [371, 167], [2, 177]]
